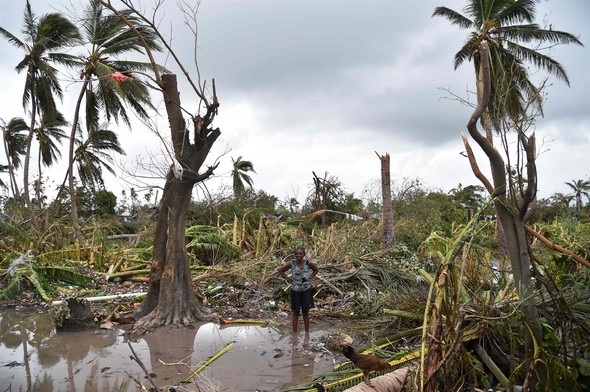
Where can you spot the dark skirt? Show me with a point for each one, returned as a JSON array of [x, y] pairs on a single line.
[[302, 300]]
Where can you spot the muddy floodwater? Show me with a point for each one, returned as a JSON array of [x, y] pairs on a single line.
[[35, 357]]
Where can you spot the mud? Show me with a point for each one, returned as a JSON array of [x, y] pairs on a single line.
[[35, 357]]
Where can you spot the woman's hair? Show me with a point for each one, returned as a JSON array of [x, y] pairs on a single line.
[[300, 248]]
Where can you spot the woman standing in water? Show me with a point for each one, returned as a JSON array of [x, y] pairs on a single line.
[[302, 271]]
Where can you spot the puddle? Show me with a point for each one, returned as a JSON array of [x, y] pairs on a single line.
[[35, 357]]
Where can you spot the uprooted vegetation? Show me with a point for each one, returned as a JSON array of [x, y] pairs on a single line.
[[447, 309]]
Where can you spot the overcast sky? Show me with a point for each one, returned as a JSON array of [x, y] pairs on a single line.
[[322, 85]]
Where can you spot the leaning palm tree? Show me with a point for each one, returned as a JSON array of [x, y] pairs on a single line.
[[507, 26], [108, 37], [239, 175], [15, 145], [44, 39], [500, 31], [580, 188]]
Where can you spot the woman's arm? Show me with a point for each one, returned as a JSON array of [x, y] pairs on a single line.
[[314, 270], [282, 271]]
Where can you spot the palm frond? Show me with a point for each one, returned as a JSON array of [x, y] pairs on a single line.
[[467, 51], [518, 11], [67, 275], [57, 32], [532, 32], [539, 60], [454, 17], [12, 39], [12, 289]]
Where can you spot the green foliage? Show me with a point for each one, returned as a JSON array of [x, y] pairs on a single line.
[[12, 235], [555, 207], [419, 212], [126, 227], [105, 202], [221, 208], [328, 194], [13, 288], [208, 245], [19, 270], [571, 234]]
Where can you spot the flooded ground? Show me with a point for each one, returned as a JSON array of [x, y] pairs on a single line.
[[35, 357]]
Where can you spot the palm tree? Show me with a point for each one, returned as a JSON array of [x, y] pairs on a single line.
[[108, 38], [44, 38], [95, 153], [500, 28], [239, 175], [48, 133], [580, 188], [506, 25], [470, 196], [15, 143]]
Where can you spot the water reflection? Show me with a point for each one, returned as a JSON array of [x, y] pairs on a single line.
[[34, 357], [171, 354], [302, 361]]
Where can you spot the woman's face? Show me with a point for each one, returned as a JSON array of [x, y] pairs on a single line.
[[299, 254]]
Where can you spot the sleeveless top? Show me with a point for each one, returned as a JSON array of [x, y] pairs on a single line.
[[300, 276]]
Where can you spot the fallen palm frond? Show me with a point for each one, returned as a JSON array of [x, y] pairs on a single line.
[[208, 244], [67, 275], [210, 360]]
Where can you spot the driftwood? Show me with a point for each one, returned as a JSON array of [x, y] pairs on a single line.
[[330, 285], [389, 382]]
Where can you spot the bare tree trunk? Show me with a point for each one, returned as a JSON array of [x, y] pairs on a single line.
[[70, 172], [321, 196], [26, 167], [387, 207]]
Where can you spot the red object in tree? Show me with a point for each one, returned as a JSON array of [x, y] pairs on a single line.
[[119, 77]]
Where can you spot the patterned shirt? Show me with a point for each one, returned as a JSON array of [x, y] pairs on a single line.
[[300, 276]]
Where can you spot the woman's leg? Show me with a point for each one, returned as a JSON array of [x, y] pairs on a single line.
[[306, 320], [295, 320]]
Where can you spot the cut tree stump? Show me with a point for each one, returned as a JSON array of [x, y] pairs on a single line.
[[73, 314]]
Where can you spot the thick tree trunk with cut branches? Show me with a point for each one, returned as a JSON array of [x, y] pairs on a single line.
[[170, 299]]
